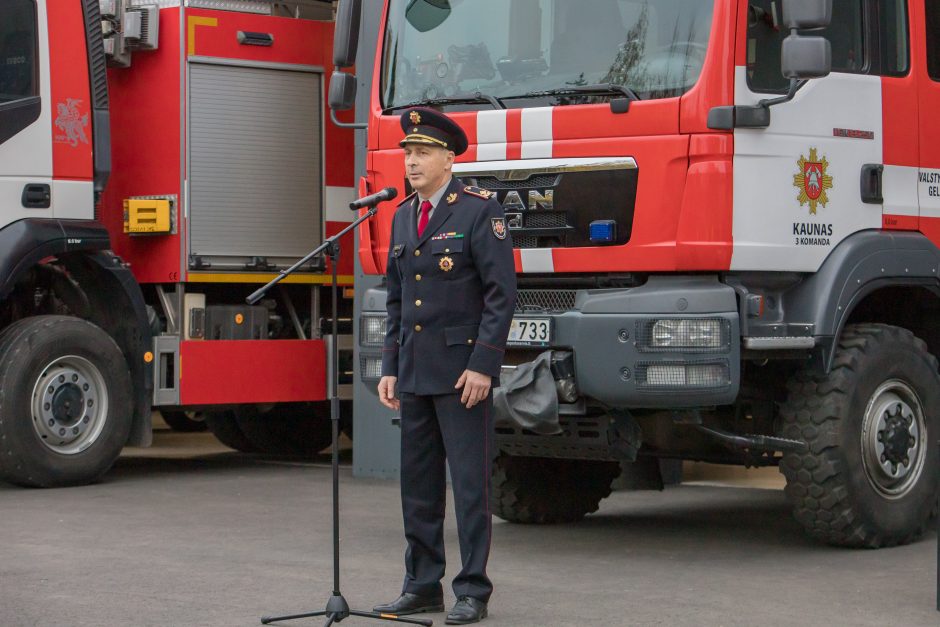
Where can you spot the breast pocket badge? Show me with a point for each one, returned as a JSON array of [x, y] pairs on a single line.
[[446, 264]]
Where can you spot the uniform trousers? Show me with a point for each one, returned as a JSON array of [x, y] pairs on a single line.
[[436, 430]]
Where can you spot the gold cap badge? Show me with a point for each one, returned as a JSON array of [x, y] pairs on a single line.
[[415, 118]]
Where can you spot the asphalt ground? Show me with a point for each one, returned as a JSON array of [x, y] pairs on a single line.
[[188, 533]]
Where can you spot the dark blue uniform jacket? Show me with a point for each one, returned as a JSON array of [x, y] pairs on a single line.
[[451, 292]]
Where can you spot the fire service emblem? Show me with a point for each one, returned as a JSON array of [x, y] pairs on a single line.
[[415, 117], [446, 264], [812, 181], [499, 228]]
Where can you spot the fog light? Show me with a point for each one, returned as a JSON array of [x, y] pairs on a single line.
[[694, 333], [372, 329], [370, 368], [603, 231], [665, 376], [677, 376]]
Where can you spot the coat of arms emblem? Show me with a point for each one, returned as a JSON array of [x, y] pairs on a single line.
[[812, 180], [71, 122], [415, 117]]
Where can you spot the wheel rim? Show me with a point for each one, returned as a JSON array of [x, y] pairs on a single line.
[[893, 435], [70, 405]]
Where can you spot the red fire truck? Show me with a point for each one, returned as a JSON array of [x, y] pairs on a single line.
[[159, 161], [726, 219]]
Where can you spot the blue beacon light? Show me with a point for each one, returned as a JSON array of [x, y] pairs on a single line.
[[603, 231]]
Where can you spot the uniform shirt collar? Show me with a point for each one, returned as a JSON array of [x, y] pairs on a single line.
[[435, 197]]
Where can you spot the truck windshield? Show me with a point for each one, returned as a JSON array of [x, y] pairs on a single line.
[[527, 52]]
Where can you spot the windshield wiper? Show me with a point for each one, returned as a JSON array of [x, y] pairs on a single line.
[[477, 97], [600, 88]]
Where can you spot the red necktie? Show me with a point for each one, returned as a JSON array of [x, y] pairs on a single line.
[[425, 215]]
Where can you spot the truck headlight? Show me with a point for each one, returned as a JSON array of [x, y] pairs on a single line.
[[372, 329], [695, 333]]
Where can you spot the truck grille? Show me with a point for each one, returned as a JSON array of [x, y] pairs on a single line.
[[555, 206], [537, 180], [547, 301], [540, 220]]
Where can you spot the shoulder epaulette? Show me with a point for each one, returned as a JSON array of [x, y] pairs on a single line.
[[479, 192], [407, 198]]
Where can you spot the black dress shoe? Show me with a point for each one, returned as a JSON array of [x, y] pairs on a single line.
[[467, 610], [409, 603]]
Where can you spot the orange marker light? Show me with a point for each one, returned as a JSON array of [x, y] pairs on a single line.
[[239, 318], [148, 357]]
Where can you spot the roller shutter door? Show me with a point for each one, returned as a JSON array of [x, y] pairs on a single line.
[[255, 164]]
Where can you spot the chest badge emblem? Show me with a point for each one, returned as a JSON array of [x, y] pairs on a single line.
[[446, 264], [812, 180]]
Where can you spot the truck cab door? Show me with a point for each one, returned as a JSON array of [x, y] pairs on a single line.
[[928, 76], [25, 123], [797, 182]]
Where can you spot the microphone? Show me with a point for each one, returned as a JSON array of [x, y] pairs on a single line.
[[370, 201]]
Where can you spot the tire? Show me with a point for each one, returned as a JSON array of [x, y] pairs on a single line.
[[225, 428], [540, 490], [879, 406], [292, 429], [66, 402], [184, 421]]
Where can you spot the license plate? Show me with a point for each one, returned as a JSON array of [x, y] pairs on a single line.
[[532, 331]]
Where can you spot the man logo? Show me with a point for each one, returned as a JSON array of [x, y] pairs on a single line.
[[537, 200]]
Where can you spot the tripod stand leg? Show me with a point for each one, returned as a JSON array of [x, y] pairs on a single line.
[[427, 622], [276, 619]]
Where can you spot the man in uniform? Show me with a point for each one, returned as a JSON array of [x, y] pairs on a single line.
[[451, 294]]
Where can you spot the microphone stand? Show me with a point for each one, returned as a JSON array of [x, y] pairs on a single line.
[[337, 608]]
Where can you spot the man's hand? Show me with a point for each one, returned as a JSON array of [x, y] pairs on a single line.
[[387, 393], [476, 386]]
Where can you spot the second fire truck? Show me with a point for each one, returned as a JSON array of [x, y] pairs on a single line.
[[158, 161]]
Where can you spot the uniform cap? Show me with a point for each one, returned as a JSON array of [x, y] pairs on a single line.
[[427, 126]]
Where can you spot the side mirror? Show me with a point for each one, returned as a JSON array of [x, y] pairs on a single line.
[[342, 91], [346, 33], [425, 15], [807, 14], [805, 57]]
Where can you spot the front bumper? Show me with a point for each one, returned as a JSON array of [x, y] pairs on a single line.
[[610, 333], [618, 363]]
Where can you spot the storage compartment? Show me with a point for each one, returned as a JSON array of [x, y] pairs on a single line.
[[255, 166], [236, 322]]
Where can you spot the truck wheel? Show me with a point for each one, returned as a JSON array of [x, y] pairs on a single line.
[[65, 402], [184, 421], [543, 490], [225, 428], [870, 477], [294, 429]]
